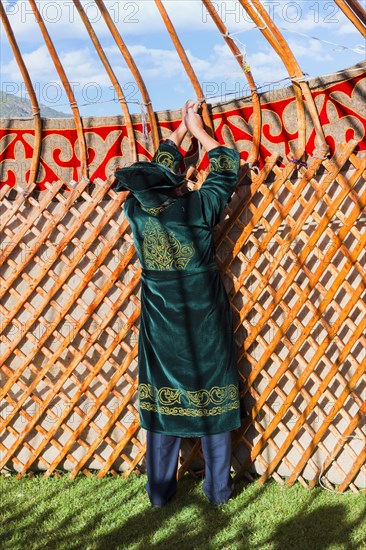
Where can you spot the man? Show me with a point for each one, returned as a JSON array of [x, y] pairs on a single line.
[[188, 382]]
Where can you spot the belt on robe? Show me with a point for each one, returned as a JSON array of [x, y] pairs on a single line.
[[176, 273]]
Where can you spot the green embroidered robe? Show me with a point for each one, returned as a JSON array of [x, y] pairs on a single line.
[[187, 372]]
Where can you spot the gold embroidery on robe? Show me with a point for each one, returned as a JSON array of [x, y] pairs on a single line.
[[163, 400], [146, 391], [164, 157], [168, 396], [199, 398], [181, 411], [162, 250], [223, 163], [154, 210]]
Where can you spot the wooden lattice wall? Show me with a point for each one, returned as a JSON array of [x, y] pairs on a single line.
[[291, 251]]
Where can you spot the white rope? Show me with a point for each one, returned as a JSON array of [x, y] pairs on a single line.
[[358, 48], [291, 78], [242, 47], [230, 34], [345, 72], [144, 120], [257, 88], [136, 102], [299, 78]]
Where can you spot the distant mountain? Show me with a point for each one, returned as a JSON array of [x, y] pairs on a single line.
[[12, 106]]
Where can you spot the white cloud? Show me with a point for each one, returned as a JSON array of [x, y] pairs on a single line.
[[159, 64], [313, 49], [348, 28], [84, 67], [81, 66], [218, 73], [38, 63], [155, 62], [132, 18]]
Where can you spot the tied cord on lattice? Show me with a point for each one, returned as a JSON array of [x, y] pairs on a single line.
[[299, 163]]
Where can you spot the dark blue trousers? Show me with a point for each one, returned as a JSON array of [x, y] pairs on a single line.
[[162, 453]]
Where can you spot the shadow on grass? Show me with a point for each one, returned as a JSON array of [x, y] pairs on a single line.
[[54, 517], [115, 513], [110, 517], [320, 529], [188, 521]]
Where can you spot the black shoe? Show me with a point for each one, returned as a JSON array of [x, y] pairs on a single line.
[[163, 504]]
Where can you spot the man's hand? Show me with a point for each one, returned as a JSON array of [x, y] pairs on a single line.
[[192, 119], [178, 135], [194, 125], [192, 122], [186, 106]]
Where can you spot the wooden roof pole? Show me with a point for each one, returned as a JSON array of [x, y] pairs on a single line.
[[300, 85], [257, 124], [358, 9], [133, 68], [32, 96], [113, 78], [355, 13], [186, 63], [260, 23], [70, 94]]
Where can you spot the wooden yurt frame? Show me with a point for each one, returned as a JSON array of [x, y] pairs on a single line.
[[69, 394]]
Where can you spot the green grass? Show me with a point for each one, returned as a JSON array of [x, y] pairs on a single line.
[[115, 513]]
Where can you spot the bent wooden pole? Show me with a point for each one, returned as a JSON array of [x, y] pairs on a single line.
[[113, 78], [260, 23], [269, 29], [66, 84], [186, 63], [355, 13], [133, 68], [32, 96], [257, 124]]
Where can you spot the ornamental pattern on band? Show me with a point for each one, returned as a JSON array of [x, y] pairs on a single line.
[[184, 411], [162, 250], [223, 163], [166, 400], [165, 158], [155, 210]]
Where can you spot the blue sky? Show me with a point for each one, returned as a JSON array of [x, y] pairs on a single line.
[[307, 25]]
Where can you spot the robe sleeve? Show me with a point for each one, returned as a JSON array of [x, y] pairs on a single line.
[[169, 155], [220, 183]]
